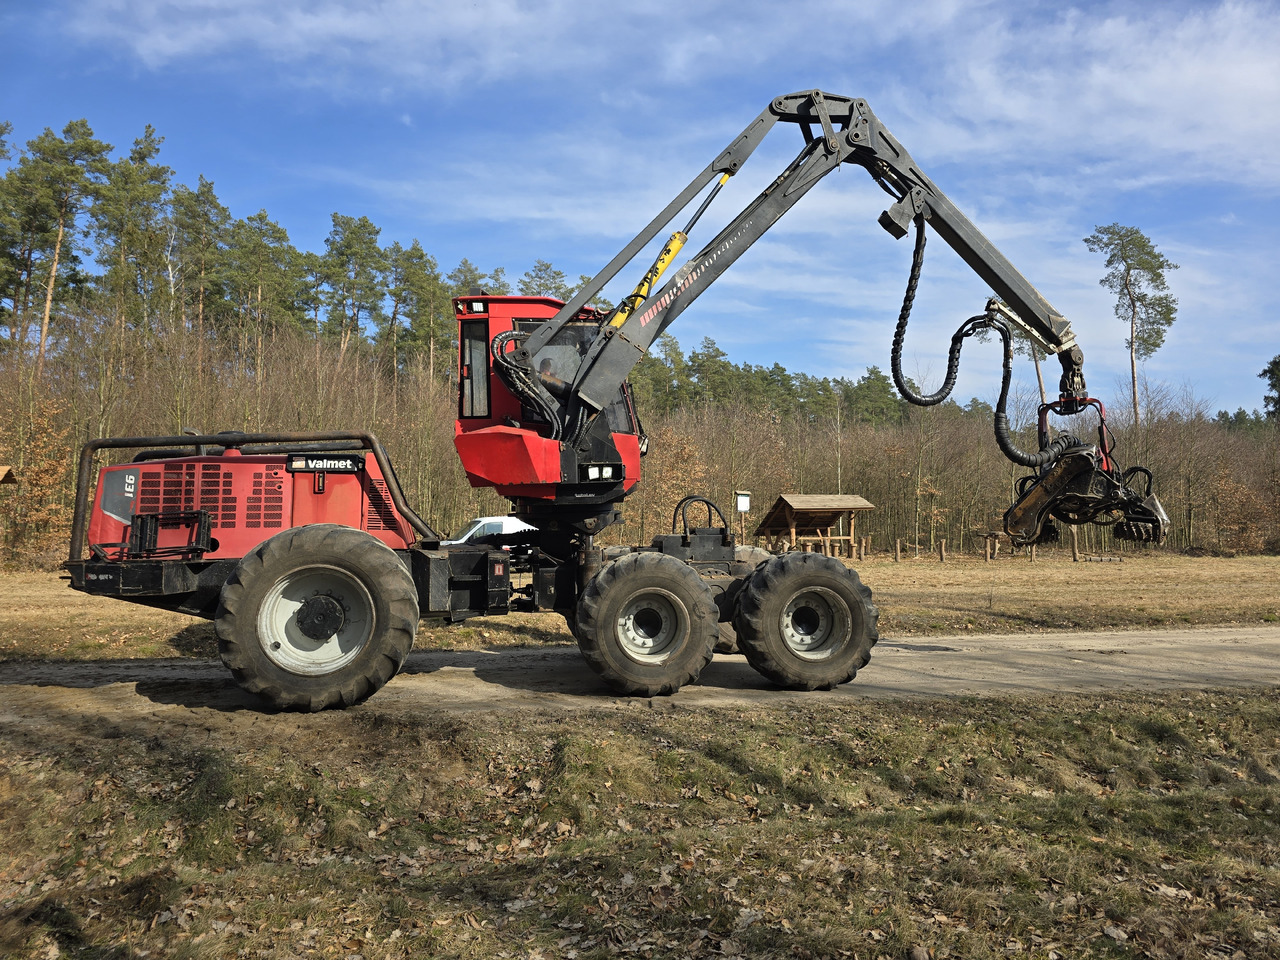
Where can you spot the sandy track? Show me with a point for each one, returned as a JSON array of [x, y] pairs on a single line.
[[556, 678]]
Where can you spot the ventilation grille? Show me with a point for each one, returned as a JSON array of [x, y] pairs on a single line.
[[182, 487], [264, 508], [382, 515]]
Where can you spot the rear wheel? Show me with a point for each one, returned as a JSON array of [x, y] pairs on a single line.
[[318, 616], [646, 623], [745, 560], [805, 621]]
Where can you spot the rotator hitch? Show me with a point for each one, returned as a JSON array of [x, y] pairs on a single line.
[[1083, 484]]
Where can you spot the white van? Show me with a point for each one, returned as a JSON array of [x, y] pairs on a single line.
[[487, 527]]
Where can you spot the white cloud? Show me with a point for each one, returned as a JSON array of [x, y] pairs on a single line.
[[1109, 85]]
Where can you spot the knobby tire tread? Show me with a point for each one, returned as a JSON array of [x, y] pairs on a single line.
[[760, 603], [745, 560], [372, 561], [597, 622]]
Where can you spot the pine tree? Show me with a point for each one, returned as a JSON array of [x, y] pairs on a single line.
[[129, 224], [544, 280], [1271, 401], [466, 276], [355, 270], [1136, 275], [200, 224], [67, 171], [419, 303]]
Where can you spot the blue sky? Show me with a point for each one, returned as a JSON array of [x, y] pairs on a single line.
[[510, 130]]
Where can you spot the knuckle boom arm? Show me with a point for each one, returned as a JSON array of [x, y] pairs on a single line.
[[1073, 482]]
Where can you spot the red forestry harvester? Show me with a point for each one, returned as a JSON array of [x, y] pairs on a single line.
[[316, 571]]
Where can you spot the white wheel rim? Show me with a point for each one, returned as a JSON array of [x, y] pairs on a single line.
[[815, 623], [650, 626], [284, 642]]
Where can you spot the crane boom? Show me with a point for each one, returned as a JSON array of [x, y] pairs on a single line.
[[566, 398], [837, 130]]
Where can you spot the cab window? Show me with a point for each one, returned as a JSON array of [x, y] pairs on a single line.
[[474, 369]]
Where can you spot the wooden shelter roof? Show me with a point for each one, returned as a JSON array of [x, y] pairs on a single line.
[[7, 475], [811, 513]]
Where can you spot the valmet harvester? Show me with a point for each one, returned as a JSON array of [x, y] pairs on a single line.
[[303, 551]]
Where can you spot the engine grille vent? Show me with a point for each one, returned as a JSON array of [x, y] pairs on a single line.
[[183, 487], [264, 508], [381, 514]]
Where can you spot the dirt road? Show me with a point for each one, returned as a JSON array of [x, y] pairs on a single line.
[[555, 678]]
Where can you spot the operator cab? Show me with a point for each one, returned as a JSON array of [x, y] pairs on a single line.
[[515, 447]]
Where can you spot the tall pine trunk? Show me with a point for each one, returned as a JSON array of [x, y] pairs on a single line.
[[48, 293]]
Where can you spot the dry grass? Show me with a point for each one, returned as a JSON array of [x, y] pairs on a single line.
[[1013, 595], [1056, 827], [42, 618]]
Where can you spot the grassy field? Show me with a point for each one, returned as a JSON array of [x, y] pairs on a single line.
[[1060, 827], [1136, 825]]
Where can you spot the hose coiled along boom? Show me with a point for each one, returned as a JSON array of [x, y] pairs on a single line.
[[1076, 483]]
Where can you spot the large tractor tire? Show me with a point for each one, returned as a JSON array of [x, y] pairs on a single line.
[[316, 617], [806, 622], [745, 560], [647, 624]]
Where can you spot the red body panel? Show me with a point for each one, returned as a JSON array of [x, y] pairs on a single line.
[[249, 499], [628, 445], [502, 456]]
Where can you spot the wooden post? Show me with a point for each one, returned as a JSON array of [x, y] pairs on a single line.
[[897, 551], [942, 550], [1075, 543], [1033, 553], [986, 548]]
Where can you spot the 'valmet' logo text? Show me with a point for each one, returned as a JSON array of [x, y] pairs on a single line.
[[301, 463]]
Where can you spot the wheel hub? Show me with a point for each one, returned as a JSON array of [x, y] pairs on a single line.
[[320, 617], [316, 620], [814, 623], [650, 625]]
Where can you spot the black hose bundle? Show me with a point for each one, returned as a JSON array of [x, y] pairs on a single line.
[[521, 384], [983, 321]]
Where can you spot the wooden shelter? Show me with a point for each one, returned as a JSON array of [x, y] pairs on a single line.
[[7, 475], [804, 521]]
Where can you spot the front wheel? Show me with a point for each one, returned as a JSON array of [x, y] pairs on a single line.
[[805, 621], [318, 616], [646, 623]]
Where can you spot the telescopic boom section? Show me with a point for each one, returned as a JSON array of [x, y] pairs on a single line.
[[836, 130]]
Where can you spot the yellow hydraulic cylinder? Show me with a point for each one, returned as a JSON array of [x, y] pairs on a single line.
[[650, 279]]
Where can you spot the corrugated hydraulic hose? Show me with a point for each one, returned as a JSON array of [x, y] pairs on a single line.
[[1004, 441]]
